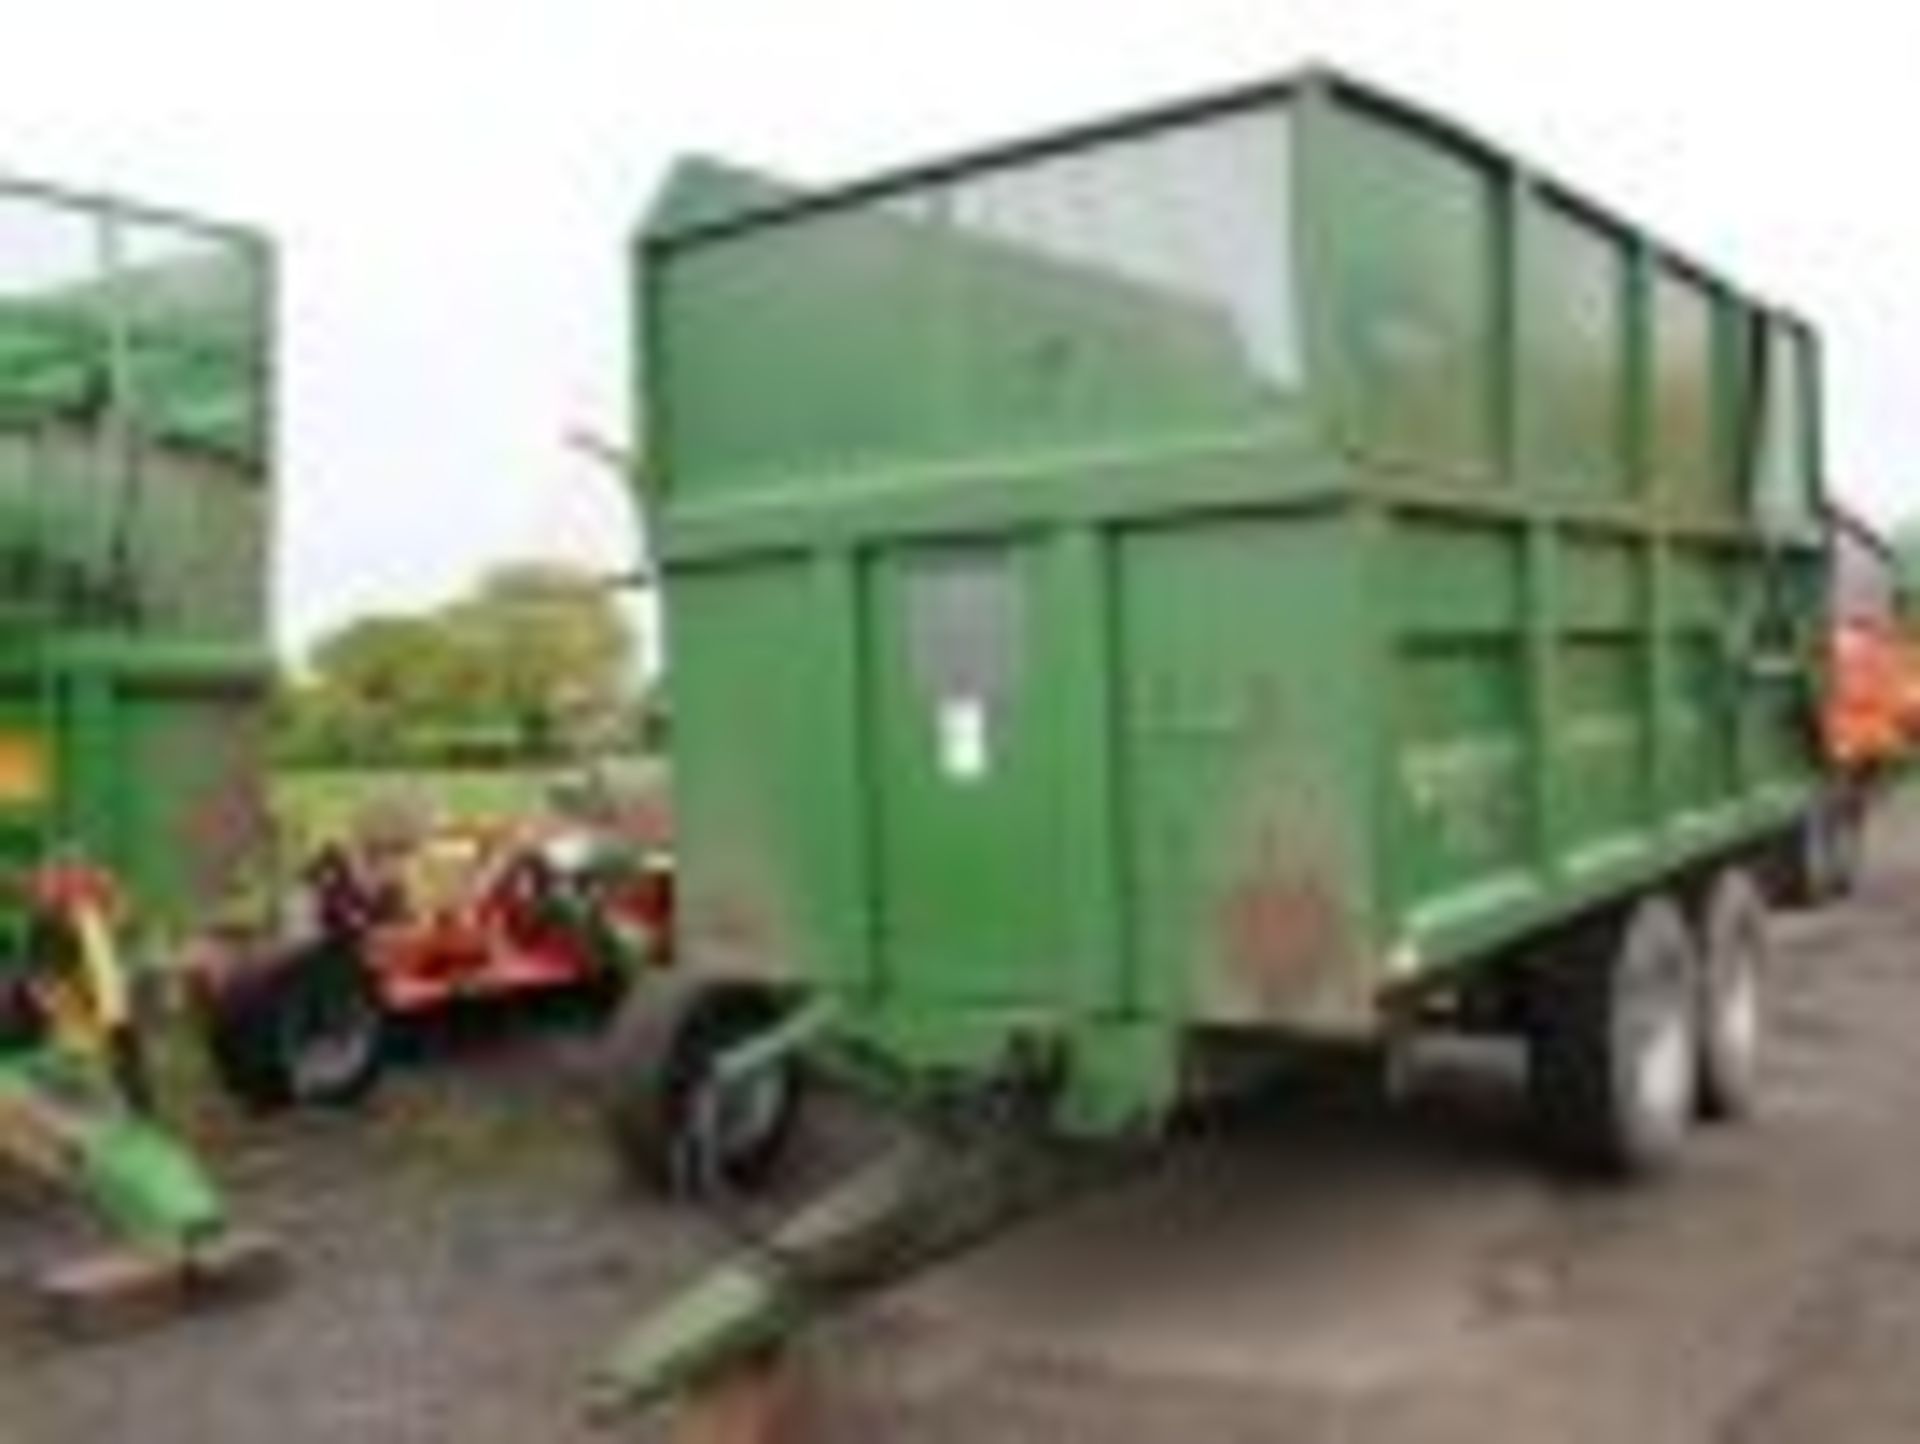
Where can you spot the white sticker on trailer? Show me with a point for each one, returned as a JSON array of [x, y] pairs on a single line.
[[965, 749]]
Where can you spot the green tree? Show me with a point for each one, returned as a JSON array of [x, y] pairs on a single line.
[[376, 685], [536, 663], [553, 654]]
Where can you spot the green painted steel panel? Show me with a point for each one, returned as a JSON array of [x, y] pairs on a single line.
[[158, 772], [757, 747], [1207, 572], [1412, 282], [1246, 782], [966, 731], [193, 825], [1688, 456], [1093, 298], [135, 513], [1574, 353], [135, 416]]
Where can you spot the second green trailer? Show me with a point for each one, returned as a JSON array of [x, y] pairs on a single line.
[[1275, 566]]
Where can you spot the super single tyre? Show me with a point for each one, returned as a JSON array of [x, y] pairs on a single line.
[[669, 1126], [309, 1030], [1612, 1060], [1728, 1012]]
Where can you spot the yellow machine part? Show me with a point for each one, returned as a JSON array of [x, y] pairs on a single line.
[[89, 1002]]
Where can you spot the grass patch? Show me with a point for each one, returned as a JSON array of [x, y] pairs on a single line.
[[311, 805]]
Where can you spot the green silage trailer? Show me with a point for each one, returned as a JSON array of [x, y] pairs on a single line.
[[135, 515], [136, 495], [1274, 568]]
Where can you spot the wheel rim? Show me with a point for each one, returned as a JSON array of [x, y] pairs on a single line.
[[1662, 1074], [1660, 1056], [738, 1122], [328, 1040], [1732, 1025], [1736, 1019]]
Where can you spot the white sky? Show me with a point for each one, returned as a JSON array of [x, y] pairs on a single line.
[[452, 185]]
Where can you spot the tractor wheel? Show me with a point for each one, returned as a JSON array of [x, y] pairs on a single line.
[[308, 1031], [1611, 1046], [669, 1127], [1728, 1012]]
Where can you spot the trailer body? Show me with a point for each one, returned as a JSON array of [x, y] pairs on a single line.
[[1229, 573], [135, 492], [136, 489]]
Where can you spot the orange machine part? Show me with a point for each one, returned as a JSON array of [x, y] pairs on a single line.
[[1872, 711]]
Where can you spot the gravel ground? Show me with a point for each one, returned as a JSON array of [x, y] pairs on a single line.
[[1315, 1268]]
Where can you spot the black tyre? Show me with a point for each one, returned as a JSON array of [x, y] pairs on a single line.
[[1728, 1008], [1612, 1061], [1848, 846], [306, 1030], [669, 1127], [1828, 850]]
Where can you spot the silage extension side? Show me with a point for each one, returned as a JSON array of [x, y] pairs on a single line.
[[1272, 568], [135, 501]]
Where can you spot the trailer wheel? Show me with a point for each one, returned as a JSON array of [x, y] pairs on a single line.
[[1848, 845], [1828, 849], [1728, 1009], [667, 1127], [1612, 1058], [308, 1031]]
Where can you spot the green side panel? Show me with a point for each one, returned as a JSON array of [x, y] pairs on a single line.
[[29, 751], [183, 538], [193, 816], [1458, 700], [1207, 571], [763, 799], [735, 320], [156, 771], [1574, 355], [1689, 468], [1247, 778], [1088, 299], [1603, 744], [1603, 741], [56, 514], [1704, 758], [1786, 495], [104, 308], [136, 495], [968, 746], [135, 417], [198, 532], [1411, 278]]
